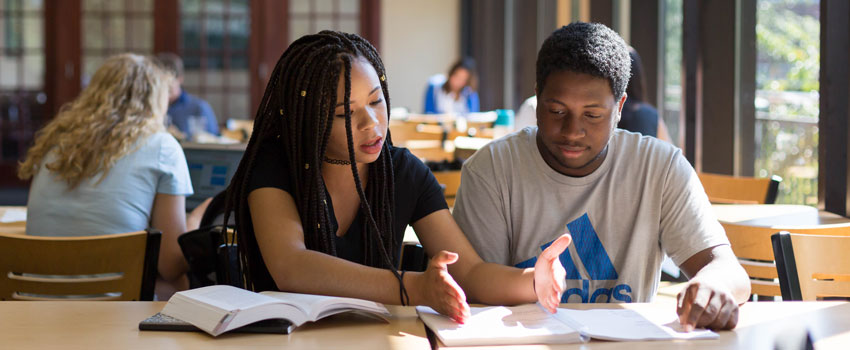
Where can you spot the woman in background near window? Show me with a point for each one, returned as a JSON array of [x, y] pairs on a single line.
[[106, 165], [455, 94]]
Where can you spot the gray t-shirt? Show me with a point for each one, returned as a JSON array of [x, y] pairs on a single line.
[[121, 202], [645, 200]]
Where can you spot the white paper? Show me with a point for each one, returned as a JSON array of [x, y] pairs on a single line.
[[319, 306], [625, 324], [228, 298], [525, 324], [531, 324], [14, 215]]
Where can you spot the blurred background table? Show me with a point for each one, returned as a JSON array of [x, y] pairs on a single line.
[[13, 219], [776, 215]]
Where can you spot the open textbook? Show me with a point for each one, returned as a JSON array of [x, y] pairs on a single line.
[[531, 324], [221, 308]]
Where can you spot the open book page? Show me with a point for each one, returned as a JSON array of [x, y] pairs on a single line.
[[319, 306], [626, 324], [217, 309], [228, 298], [525, 324]]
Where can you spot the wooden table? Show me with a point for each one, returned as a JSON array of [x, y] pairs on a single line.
[[776, 215], [18, 227], [114, 325]]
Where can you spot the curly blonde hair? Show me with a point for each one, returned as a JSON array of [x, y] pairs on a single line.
[[125, 101]]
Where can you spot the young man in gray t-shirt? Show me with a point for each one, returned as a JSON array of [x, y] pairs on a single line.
[[627, 200]]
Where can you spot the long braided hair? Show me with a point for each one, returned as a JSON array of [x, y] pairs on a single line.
[[296, 114]]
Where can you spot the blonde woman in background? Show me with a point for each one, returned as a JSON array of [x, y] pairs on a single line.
[[106, 165]]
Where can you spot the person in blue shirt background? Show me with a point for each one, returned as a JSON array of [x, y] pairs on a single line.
[[186, 112], [457, 93]]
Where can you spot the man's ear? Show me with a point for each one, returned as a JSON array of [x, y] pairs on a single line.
[[537, 96], [620, 107]]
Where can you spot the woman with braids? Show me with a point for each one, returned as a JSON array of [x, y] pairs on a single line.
[[106, 165], [322, 198]]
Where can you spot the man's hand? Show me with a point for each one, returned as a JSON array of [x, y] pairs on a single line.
[[718, 285], [549, 274], [706, 304]]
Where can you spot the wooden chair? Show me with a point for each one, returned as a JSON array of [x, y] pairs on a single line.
[[425, 141], [739, 189], [451, 180], [16, 227], [108, 267], [402, 132], [752, 246], [812, 267], [465, 147], [430, 152], [238, 129]]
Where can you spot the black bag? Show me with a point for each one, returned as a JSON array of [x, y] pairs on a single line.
[[212, 260]]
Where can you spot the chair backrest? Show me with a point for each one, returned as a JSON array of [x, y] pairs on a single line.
[[450, 179], [752, 246], [16, 227], [108, 267], [403, 131], [425, 141], [811, 267], [740, 189]]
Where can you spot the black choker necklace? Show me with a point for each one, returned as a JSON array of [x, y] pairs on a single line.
[[337, 161]]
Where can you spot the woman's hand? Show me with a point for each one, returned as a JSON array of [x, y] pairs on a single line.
[[549, 274], [438, 289]]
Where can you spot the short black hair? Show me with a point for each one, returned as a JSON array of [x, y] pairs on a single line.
[[171, 62], [589, 48]]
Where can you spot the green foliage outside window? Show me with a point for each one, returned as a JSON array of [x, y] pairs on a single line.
[[788, 54]]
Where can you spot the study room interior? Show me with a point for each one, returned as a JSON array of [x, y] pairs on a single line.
[[179, 99]]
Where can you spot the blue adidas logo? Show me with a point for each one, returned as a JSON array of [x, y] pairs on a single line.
[[596, 262]]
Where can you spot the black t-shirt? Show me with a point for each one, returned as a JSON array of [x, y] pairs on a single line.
[[417, 194]]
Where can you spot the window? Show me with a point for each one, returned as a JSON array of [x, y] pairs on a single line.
[[787, 68], [214, 46], [21, 77], [308, 17], [110, 27], [672, 100]]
